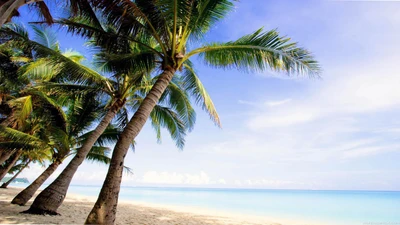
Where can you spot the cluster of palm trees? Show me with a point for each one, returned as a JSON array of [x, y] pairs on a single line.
[[53, 106]]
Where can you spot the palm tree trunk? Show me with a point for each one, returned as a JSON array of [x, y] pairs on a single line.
[[23, 197], [15, 176], [53, 195], [7, 9], [4, 171], [5, 154], [105, 207]]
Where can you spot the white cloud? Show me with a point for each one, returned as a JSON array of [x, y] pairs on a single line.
[[153, 177], [368, 151], [277, 103], [238, 183], [221, 181], [197, 179], [267, 103], [356, 91]]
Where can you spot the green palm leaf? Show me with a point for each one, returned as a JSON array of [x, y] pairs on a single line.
[[165, 117], [99, 154], [20, 138], [196, 89], [259, 51]]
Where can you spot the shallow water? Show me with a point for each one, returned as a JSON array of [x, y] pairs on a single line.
[[336, 207]]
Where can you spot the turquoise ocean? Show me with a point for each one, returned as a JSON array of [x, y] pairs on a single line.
[[333, 207]]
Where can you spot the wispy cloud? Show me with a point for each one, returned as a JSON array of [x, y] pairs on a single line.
[[268, 103], [277, 103], [154, 177]]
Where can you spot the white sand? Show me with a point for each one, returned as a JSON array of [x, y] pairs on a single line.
[[75, 209]]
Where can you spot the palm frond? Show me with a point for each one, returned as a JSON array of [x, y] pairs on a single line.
[[69, 67], [130, 63], [108, 137], [19, 138], [108, 40], [44, 11], [193, 85], [46, 37], [54, 111], [22, 108], [99, 154], [67, 89], [40, 69], [165, 117], [178, 100], [259, 51], [122, 118], [82, 112]]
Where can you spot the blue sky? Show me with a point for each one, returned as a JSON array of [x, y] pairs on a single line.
[[337, 132]]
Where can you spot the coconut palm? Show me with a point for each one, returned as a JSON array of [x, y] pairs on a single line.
[[172, 24], [38, 156], [10, 83], [126, 87], [61, 141], [22, 103], [8, 164], [30, 129], [17, 101], [15, 171]]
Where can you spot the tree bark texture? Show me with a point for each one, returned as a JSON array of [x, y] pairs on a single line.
[[5, 185], [25, 195], [105, 208], [4, 171], [51, 198]]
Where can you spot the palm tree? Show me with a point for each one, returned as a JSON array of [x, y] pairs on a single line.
[[125, 87], [62, 141], [11, 83], [172, 24], [17, 169], [16, 105], [8, 165], [38, 156], [31, 101]]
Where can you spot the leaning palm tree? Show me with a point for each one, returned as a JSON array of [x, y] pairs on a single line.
[[15, 171], [10, 163], [32, 129], [172, 24], [126, 87], [10, 86], [38, 156], [80, 115]]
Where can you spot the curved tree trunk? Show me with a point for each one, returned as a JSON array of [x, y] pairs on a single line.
[[5, 154], [4, 171], [53, 195], [23, 197], [105, 207], [7, 8], [15, 176]]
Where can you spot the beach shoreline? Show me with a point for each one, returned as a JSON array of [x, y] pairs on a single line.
[[76, 207]]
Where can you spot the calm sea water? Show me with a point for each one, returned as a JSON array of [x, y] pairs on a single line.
[[337, 207]]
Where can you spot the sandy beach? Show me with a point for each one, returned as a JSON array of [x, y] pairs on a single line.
[[76, 208]]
